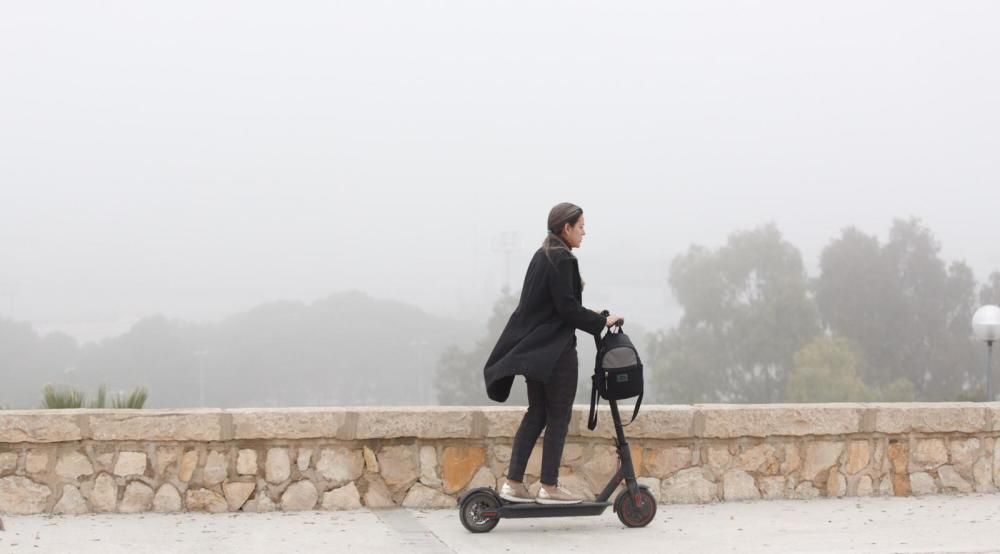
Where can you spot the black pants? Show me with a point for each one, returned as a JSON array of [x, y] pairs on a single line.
[[550, 406]]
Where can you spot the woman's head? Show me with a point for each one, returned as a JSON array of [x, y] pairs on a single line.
[[565, 227]]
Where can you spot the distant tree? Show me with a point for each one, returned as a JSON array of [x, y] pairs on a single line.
[[906, 309], [459, 376], [28, 360], [826, 370], [746, 313], [989, 292]]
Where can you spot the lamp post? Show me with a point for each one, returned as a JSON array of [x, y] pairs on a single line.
[[986, 326]]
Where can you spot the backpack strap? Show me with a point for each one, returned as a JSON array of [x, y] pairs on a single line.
[[635, 412], [594, 400]]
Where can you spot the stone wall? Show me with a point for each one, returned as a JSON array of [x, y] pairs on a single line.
[[78, 461]]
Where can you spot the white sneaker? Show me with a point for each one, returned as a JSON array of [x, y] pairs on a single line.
[[560, 496], [515, 493]]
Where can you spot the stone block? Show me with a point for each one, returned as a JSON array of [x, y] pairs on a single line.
[[371, 461], [575, 483], [288, 423], [762, 458], [378, 496], [928, 454], [104, 496], [865, 486], [772, 488], [343, 498], [155, 425], [37, 461], [689, 486], [735, 421], [22, 496], [420, 496], [130, 463], [739, 485], [996, 462], [340, 465], [71, 502], [399, 466], [8, 462], [885, 487], [792, 461], [836, 484], [300, 495], [921, 483], [428, 466], [664, 462], [653, 484], [718, 459], [820, 456], [944, 417], [277, 467], [654, 422], [982, 472], [105, 462], [899, 456], [858, 456], [601, 466], [304, 459], [502, 421], [38, 426], [216, 468], [952, 481], [963, 453], [237, 493], [204, 500], [573, 452], [246, 462], [167, 500], [805, 491], [421, 423], [138, 498], [188, 464], [167, 458], [459, 464], [482, 478]]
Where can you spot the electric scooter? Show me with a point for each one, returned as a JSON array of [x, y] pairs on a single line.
[[482, 508]]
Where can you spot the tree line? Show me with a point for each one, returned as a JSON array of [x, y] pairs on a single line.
[[882, 321]]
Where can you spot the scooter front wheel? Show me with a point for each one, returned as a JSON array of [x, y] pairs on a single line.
[[479, 512], [636, 510]]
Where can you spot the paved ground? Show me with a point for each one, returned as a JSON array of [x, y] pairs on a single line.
[[932, 524]]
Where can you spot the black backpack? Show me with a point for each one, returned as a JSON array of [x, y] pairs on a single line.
[[617, 373]]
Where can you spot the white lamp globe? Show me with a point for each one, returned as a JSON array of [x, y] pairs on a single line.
[[986, 323]]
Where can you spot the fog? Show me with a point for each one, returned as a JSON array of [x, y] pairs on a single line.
[[198, 159]]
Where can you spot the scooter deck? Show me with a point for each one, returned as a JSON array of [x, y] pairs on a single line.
[[532, 509]]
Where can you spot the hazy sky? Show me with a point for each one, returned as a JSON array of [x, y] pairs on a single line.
[[197, 158]]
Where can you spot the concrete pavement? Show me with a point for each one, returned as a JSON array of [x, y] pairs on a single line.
[[969, 523]]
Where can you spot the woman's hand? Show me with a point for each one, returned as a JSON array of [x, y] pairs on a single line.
[[613, 319]]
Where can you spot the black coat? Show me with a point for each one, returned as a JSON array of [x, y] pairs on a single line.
[[545, 321]]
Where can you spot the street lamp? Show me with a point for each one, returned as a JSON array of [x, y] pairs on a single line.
[[986, 326]]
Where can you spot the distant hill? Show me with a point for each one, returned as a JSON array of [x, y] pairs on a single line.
[[345, 349]]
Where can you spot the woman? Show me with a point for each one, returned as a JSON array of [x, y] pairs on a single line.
[[539, 342]]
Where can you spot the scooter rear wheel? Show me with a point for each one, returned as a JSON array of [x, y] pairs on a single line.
[[634, 514], [478, 512]]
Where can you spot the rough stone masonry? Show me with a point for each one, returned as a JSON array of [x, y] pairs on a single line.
[[260, 460]]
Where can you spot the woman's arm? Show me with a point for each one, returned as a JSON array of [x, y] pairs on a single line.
[[569, 308]]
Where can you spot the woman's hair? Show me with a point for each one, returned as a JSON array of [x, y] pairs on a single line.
[[559, 216]]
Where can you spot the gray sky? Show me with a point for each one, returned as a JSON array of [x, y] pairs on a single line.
[[197, 158]]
